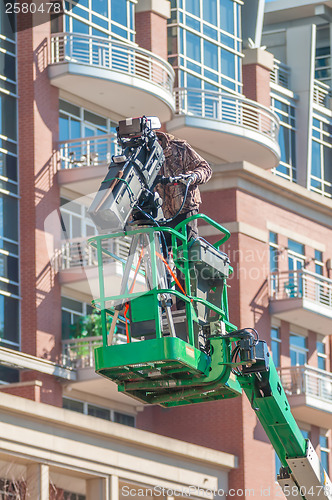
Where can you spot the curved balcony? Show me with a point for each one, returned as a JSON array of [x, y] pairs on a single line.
[[309, 391], [302, 298], [228, 127], [117, 76], [82, 163]]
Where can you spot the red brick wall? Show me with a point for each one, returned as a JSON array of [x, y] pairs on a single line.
[[151, 33], [256, 83], [38, 132]]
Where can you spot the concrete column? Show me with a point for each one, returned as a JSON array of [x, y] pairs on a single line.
[[38, 482], [97, 489], [302, 64], [114, 488]]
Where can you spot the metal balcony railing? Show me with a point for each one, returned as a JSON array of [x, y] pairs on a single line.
[[322, 93], [228, 108], [77, 253], [307, 380], [113, 55], [301, 284], [87, 151], [79, 353], [280, 74]]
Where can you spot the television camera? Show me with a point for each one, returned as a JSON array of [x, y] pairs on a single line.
[[128, 188]]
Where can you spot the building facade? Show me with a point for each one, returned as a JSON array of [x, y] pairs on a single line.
[[262, 118]]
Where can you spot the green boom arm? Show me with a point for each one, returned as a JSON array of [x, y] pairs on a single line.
[[301, 475]]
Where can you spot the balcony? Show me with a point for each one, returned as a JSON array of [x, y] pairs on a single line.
[[302, 298], [117, 76], [78, 356], [82, 163], [77, 264], [309, 391], [321, 94], [280, 75], [229, 127]]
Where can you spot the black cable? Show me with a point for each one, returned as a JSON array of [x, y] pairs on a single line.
[[184, 200]]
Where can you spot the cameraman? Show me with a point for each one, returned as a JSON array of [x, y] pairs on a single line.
[[181, 159]]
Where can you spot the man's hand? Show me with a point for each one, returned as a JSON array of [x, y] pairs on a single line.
[[190, 177]]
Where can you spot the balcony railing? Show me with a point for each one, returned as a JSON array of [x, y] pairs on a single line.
[[301, 284], [86, 151], [280, 74], [77, 253], [113, 55], [307, 380], [322, 93], [227, 108], [79, 353]]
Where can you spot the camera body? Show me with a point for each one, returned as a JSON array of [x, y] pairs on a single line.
[[127, 189]]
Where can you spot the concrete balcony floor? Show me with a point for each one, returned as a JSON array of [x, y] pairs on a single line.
[[120, 77], [231, 128]]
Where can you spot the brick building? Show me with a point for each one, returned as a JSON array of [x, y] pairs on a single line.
[[65, 82]]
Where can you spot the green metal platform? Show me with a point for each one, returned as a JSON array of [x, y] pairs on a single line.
[[163, 361]]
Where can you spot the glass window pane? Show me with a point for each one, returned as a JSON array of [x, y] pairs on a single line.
[[273, 238], [316, 160], [295, 247], [69, 108], [71, 404], [8, 120], [275, 334], [320, 346], [9, 267], [192, 6], [193, 46], [227, 15], [121, 418], [100, 6], [96, 411], [8, 217], [228, 63], [7, 66], [297, 341], [82, 28], [73, 305], [8, 166], [210, 55], [210, 11], [321, 363], [9, 319], [7, 22], [119, 11], [63, 127], [275, 347], [75, 129]]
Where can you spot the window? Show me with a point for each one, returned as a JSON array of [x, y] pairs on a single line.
[[293, 288], [319, 265], [323, 54], [275, 345], [204, 43], [324, 451], [72, 312], [9, 200], [79, 123], [285, 110], [98, 411], [321, 157], [321, 353], [298, 349], [273, 249], [110, 18], [75, 222]]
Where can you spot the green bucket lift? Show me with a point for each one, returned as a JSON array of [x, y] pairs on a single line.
[[167, 359]]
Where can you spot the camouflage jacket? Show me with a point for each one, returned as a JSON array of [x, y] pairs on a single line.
[[180, 158]]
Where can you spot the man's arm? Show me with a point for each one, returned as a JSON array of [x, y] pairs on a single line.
[[195, 164]]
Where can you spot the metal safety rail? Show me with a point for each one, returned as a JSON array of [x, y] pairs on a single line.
[[113, 55], [307, 380], [79, 352], [321, 93], [280, 74], [232, 109], [77, 252], [86, 151], [301, 284]]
